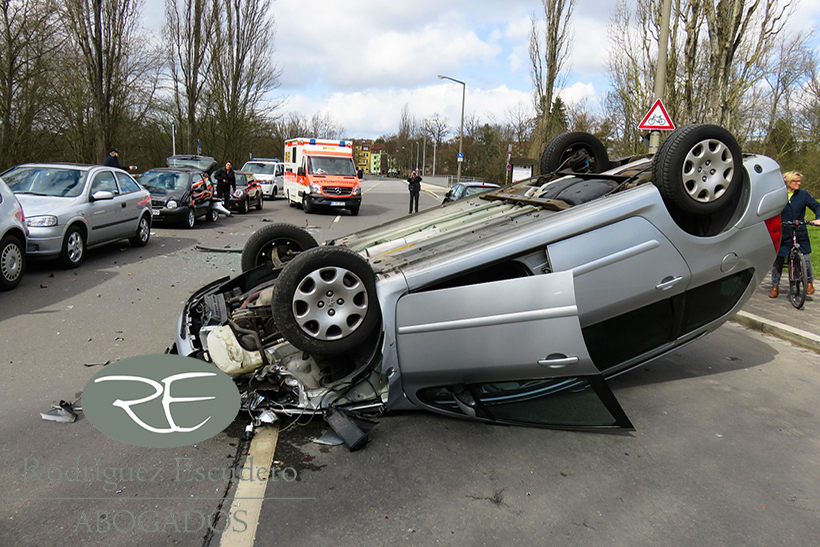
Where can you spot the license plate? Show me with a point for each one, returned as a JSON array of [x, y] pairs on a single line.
[[155, 212], [337, 203]]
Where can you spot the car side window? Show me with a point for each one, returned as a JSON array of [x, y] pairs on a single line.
[[104, 181], [127, 184]]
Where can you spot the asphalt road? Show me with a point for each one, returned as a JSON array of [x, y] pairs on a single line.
[[724, 452]]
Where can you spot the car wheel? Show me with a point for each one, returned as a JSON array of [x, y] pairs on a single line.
[[307, 205], [190, 219], [275, 245], [354, 210], [73, 251], [212, 216], [577, 151], [325, 301], [291, 203], [699, 168], [12, 262], [143, 234], [259, 203], [273, 192]]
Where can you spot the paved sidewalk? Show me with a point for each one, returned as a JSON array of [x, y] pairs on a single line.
[[778, 317]]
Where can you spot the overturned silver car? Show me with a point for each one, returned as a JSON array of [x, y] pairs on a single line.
[[511, 307]]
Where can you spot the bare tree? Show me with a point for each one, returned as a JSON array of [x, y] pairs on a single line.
[[435, 128], [520, 120], [28, 38], [189, 24], [547, 58], [102, 33], [243, 73]]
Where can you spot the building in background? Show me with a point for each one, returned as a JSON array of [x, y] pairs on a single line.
[[361, 155]]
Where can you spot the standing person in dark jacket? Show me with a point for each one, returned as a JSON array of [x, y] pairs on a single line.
[[225, 181], [414, 185], [795, 210], [112, 160]]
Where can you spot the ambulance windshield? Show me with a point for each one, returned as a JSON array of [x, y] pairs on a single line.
[[326, 165]]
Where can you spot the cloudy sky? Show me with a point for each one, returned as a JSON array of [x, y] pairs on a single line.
[[361, 61]]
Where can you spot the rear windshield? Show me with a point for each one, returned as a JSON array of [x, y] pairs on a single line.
[[162, 180], [45, 181]]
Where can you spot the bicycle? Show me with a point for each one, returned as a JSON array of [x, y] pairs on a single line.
[[798, 276]]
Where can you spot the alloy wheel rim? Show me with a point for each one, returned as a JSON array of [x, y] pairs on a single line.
[[708, 170], [75, 247], [11, 262], [330, 303]]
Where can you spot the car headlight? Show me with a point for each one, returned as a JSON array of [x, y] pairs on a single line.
[[42, 221], [357, 190], [172, 204], [315, 188]]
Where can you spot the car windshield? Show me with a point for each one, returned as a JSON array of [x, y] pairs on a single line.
[[203, 163], [163, 180], [241, 179], [45, 181], [325, 165], [259, 168]]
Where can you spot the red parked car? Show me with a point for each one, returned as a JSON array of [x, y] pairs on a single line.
[[248, 192]]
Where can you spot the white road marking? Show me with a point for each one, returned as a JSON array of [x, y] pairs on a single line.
[[337, 218], [260, 453]]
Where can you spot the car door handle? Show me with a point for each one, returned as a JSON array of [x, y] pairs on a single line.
[[668, 283], [558, 361]]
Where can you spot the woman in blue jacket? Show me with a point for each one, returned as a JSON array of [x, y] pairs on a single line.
[[795, 210]]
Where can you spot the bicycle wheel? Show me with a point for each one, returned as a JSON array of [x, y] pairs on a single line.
[[797, 279]]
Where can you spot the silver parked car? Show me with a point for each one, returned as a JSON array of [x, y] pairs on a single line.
[[512, 306], [13, 234], [70, 208]]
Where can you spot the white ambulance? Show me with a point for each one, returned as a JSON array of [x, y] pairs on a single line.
[[321, 173]]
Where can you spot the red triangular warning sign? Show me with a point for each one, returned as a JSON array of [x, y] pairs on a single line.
[[657, 118]]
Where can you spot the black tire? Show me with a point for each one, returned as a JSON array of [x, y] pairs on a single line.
[[190, 219], [290, 202], [275, 245], [273, 192], [12, 262], [797, 279], [259, 203], [307, 205], [73, 252], [212, 215], [699, 169], [324, 301], [354, 210], [143, 234], [244, 206], [577, 151]]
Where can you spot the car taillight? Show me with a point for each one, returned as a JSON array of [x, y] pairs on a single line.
[[775, 230], [19, 215]]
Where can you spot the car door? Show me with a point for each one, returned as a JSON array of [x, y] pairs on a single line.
[[626, 277], [108, 217], [135, 201], [507, 351], [201, 192]]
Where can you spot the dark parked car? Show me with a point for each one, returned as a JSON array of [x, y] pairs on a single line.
[[180, 195], [466, 189], [248, 192], [512, 306], [70, 208], [203, 163]]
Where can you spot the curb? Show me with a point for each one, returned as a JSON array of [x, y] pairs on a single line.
[[800, 337]]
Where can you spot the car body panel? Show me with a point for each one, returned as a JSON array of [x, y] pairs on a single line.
[[12, 225]]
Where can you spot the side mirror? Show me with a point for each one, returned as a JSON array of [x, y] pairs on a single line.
[[101, 195], [300, 172]]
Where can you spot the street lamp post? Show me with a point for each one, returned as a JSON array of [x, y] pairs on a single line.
[[461, 130]]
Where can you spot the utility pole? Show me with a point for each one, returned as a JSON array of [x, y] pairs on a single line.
[[660, 68]]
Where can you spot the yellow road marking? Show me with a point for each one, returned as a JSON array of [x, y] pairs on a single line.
[[260, 453]]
